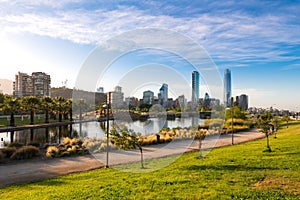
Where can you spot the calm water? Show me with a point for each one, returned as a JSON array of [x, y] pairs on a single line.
[[95, 129]]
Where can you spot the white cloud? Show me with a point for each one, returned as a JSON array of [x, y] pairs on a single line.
[[233, 37]]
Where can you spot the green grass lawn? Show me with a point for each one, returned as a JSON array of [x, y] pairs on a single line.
[[235, 172], [26, 121]]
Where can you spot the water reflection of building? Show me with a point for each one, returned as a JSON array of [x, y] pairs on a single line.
[[195, 121]]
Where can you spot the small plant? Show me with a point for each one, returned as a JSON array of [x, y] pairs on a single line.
[[52, 151], [26, 152]]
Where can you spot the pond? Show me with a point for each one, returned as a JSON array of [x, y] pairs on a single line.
[[54, 134]]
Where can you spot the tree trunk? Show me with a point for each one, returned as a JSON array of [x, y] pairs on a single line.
[[46, 116], [12, 136], [200, 151], [60, 117], [71, 114], [142, 158], [31, 117], [268, 145], [12, 119]]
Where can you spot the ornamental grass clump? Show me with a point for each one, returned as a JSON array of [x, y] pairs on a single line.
[[26, 152], [8, 152], [52, 151]]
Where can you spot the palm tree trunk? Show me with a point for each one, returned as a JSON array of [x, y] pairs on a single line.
[[59, 117], [46, 116], [12, 119], [31, 117], [71, 115]]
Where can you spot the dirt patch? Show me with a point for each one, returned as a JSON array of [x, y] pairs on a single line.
[[279, 184]]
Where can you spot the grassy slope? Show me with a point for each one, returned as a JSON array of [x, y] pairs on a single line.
[[236, 172]]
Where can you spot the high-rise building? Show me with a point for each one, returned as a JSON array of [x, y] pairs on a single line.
[[227, 88], [41, 84], [195, 86], [116, 97], [243, 102], [38, 84], [148, 97], [163, 94]]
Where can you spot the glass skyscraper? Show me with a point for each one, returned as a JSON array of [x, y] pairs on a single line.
[[227, 88], [163, 94], [195, 86]]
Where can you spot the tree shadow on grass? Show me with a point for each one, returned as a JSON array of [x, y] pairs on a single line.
[[51, 182], [227, 167]]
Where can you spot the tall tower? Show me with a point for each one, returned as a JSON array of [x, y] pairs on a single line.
[[227, 87], [163, 94], [195, 86]]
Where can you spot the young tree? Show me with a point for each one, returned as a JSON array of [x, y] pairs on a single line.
[[264, 122], [275, 123], [200, 135], [286, 119], [125, 139]]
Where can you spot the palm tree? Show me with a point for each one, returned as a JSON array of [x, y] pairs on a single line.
[[47, 105], [10, 105], [68, 109], [59, 106], [30, 104]]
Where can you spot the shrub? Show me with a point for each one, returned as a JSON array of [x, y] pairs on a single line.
[[8, 152], [26, 152], [52, 151], [35, 144], [15, 144]]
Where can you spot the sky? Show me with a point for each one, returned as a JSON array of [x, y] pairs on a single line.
[[258, 40]]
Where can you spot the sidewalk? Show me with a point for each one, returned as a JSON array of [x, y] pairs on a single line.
[[34, 170]]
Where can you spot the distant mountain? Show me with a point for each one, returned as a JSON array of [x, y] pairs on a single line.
[[6, 86]]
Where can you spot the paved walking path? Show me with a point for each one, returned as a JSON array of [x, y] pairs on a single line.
[[33, 170]]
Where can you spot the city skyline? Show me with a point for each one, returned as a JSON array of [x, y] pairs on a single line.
[[258, 41]]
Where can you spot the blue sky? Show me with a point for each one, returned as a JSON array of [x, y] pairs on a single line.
[[258, 40]]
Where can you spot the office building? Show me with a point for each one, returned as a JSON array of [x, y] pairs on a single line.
[[163, 94], [195, 86], [148, 97], [227, 88], [243, 102], [116, 97]]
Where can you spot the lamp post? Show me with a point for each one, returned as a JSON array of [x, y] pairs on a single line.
[[232, 112], [107, 128]]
